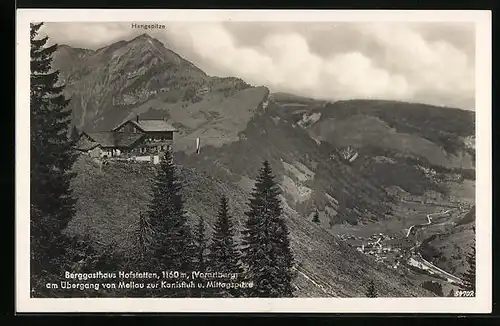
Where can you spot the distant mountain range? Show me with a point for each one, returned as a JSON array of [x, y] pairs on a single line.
[[350, 160]]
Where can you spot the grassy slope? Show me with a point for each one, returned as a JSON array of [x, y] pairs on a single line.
[[396, 132], [439, 125], [217, 118], [269, 135], [448, 250], [111, 199], [435, 133]]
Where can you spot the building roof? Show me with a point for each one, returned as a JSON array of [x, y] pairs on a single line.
[[153, 125], [103, 138], [149, 125], [110, 139], [85, 144]]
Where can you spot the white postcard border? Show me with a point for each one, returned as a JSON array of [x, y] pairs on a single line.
[[482, 303]]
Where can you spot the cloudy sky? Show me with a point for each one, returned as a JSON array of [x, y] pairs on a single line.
[[418, 62]]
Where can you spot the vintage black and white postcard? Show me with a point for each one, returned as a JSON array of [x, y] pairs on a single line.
[[253, 161]]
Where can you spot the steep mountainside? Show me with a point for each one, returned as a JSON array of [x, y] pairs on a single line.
[[309, 178], [355, 162], [111, 198], [108, 84]]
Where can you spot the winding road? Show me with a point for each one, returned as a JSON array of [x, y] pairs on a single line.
[[418, 260]]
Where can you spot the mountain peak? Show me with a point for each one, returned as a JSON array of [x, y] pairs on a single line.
[[144, 37], [146, 40]]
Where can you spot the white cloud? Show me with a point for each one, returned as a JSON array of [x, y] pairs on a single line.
[[87, 35], [402, 65], [437, 66], [284, 62]]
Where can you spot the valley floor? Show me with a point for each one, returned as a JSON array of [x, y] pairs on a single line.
[[397, 243]]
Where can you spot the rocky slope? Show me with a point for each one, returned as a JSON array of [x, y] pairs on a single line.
[[109, 84]]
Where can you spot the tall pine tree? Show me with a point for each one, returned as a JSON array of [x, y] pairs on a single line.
[[316, 218], [140, 257], [200, 259], [142, 237], [52, 157], [469, 277], [266, 245], [172, 240], [371, 291], [224, 256], [200, 245]]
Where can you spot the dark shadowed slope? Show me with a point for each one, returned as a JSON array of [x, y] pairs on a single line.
[[111, 199]]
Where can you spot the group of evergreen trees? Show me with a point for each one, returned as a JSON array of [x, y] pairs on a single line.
[[264, 258], [52, 204], [469, 277], [164, 240]]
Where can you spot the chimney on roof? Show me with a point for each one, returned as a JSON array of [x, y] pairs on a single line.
[[137, 118]]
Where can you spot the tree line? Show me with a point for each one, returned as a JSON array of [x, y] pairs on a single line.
[[164, 240]]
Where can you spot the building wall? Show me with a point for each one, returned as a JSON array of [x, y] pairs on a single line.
[[159, 136], [152, 148], [107, 152], [154, 143], [95, 152]]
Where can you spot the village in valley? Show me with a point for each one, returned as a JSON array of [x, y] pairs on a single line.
[[390, 250], [397, 249]]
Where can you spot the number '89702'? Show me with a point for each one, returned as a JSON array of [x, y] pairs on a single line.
[[461, 293]]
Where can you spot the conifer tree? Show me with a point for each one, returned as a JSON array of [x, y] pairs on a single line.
[[316, 218], [140, 259], [200, 245], [224, 256], [434, 287], [285, 260], [266, 247], [172, 241], [371, 291], [52, 157], [142, 236], [200, 259], [469, 277]]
